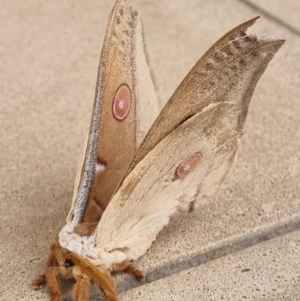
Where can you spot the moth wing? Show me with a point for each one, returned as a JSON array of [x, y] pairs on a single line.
[[209, 81], [127, 101], [187, 166]]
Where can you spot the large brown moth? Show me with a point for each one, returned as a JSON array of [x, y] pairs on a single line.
[[171, 159]]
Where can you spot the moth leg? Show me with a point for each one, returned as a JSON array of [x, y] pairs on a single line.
[[81, 289], [129, 268], [52, 276], [41, 279]]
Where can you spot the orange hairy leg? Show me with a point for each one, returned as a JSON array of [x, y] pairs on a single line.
[[129, 268], [52, 276], [51, 261], [39, 281], [81, 289]]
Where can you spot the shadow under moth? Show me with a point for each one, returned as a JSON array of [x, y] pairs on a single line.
[[143, 163]]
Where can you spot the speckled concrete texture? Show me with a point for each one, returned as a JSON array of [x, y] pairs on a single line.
[[49, 54], [269, 271]]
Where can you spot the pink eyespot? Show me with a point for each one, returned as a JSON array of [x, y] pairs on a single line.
[[187, 165], [121, 103]]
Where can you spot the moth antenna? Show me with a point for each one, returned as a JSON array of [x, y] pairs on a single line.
[[101, 276]]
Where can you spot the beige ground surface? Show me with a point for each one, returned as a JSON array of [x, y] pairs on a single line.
[[49, 53], [272, 274]]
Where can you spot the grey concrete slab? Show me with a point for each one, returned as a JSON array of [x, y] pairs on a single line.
[[48, 62], [269, 271], [286, 12]]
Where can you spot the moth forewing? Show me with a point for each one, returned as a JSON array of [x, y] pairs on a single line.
[[127, 101]]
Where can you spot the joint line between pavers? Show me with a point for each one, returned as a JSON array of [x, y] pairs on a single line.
[[270, 16]]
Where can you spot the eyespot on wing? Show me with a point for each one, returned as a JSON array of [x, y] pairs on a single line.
[[187, 165], [121, 103]]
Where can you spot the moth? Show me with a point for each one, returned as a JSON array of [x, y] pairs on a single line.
[[143, 163]]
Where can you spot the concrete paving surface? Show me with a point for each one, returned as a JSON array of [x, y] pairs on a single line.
[[245, 245]]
